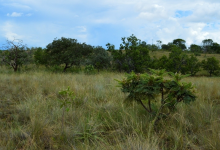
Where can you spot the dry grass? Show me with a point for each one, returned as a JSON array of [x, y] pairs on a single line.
[[30, 116]]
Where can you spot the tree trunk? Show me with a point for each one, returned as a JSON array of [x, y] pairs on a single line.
[[144, 106], [15, 68], [66, 66]]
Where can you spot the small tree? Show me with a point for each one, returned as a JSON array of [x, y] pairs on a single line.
[[162, 62], [177, 60], [14, 54], [211, 65], [145, 87], [192, 65]]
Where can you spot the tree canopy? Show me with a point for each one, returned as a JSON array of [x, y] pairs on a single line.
[[66, 51]]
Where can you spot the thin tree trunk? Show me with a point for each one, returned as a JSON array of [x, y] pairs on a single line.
[[144, 106]]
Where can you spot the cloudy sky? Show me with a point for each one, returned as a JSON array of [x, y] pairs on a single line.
[[98, 22]]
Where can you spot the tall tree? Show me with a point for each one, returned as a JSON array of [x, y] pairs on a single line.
[[136, 56], [14, 54], [206, 45], [159, 43], [133, 55], [180, 43]]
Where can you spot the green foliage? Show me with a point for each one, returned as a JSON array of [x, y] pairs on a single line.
[[211, 65], [132, 56], [193, 65], [180, 43], [40, 56], [146, 87], [100, 58], [180, 62], [89, 69], [215, 48], [177, 61], [196, 49], [66, 51], [168, 46], [66, 98], [162, 62], [206, 45]]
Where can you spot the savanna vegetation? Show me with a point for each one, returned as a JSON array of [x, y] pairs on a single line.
[[72, 95]]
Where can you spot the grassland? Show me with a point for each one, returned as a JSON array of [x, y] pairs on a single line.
[[31, 118]]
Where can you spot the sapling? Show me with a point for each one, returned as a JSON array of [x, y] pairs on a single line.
[[67, 98], [146, 87]]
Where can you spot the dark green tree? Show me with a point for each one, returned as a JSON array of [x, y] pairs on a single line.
[[100, 58], [136, 56], [215, 48], [40, 56], [211, 65], [177, 61], [67, 52], [15, 53], [133, 55], [192, 65], [206, 45], [195, 48], [118, 57], [162, 62], [180, 43]]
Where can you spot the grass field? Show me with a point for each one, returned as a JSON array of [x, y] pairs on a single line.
[[31, 117]]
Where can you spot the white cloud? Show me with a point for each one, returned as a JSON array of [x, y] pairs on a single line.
[[96, 19], [8, 31], [14, 14]]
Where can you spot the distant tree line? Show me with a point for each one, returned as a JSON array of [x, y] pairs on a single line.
[[133, 55], [207, 46]]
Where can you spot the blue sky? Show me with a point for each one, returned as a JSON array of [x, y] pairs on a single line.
[[98, 22]]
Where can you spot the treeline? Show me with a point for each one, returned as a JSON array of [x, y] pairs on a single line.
[[133, 55], [207, 46]]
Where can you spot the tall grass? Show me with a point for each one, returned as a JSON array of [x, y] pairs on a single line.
[[30, 116]]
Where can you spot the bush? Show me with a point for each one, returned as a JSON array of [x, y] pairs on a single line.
[[146, 87], [89, 69], [211, 65]]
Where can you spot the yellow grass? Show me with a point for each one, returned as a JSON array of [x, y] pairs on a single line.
[[31, 118]]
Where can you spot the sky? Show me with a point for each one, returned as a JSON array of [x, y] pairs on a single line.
[[98, 22]]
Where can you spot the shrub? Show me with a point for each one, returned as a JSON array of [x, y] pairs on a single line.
[[211, 65], [146, 87], [89, 69]]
